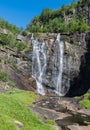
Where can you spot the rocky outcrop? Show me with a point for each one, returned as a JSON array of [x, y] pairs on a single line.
[[20, 38], [63, 111], [71, 59], [17, 65], [75, 62], [4, 31], [26, 39], [80, 84], [21, 79], [77, 127]]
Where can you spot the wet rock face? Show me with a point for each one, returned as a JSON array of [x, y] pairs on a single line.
[[80, 84], [71, 63], [76, 62]]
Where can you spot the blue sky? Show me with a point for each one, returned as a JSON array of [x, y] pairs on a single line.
[[21, 12]]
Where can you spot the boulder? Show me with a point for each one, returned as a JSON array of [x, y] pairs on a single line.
[[77, 127]]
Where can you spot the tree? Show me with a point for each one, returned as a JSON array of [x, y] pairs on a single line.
[[45, 15]]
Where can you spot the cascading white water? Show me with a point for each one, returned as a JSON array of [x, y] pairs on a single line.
[[69, 68], [39, 61], [47, 68], [59, 78]]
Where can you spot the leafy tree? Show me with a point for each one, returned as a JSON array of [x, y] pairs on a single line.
[[60, 20], [45, 15]]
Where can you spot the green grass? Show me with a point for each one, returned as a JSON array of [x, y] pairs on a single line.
[[25, 97], [87, 96], [85, 103], [51, 122], [13, 107], [77, 97], [6, 123]]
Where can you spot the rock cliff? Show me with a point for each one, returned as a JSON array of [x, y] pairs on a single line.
[[75, 63], [73, 60]]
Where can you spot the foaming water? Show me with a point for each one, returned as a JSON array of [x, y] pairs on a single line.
[[40, 68], [39, 64], [59, 78]]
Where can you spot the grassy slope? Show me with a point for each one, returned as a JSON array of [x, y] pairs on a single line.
[[13, 107]]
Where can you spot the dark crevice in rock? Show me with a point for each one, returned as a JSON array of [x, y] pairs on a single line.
[[81, 84]]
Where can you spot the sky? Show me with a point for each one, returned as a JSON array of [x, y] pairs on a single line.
[[21, 12]]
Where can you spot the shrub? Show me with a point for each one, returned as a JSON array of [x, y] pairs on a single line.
[[20, 46], [0, 59], [12, 84], [6, 25], [24, 33], [85, 103], [3, 76], [7, 39]]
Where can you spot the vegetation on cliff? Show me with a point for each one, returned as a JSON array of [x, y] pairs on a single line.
[[14, 104], [6, 25], [72, 18]]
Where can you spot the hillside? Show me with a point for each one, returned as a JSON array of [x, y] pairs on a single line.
[[67, 19], [58, 49], [15, 71]]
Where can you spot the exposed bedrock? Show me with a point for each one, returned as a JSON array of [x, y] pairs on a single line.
[[75, 63], [81, 83]]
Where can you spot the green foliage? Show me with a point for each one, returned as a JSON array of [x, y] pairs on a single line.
[[10, 41], [87, 96], [57, 21], [11, 84], [1, 59], [85, 103], [72, 40], [6, 25], [21, 46], [24, 33], [13, 107], [8, 61], [7, 39], [15, 66], [51, 122], [3, 76], [45, 15]]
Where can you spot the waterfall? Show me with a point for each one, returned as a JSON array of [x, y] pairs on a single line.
[[59, 77], [48, 65], [69, 68], [39, 64]]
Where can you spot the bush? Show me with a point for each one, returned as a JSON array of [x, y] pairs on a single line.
[[6, 25], [7, 39], [24, 33], [21, 46], [85, 103], [0, 59], [12, 84], [56, 21], [3, 76]]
